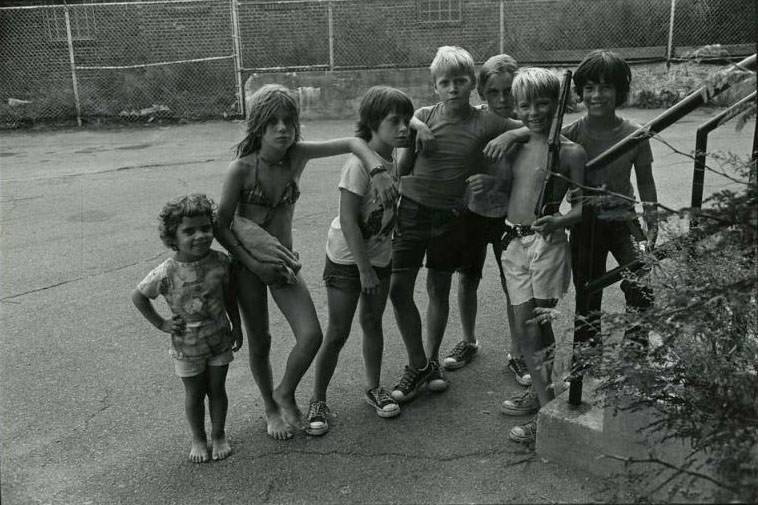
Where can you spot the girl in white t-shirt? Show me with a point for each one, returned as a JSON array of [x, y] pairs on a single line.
[[358, 255]]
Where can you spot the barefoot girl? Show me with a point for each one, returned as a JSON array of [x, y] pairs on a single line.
[[196, 285], [255, 225]]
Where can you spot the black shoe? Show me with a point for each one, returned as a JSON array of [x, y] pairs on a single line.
[[383, 403], [520, 372], [460, 356], [316, 421], [411, 381], [437, 381]]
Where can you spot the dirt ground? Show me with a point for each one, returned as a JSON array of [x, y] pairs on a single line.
[[92, 414]]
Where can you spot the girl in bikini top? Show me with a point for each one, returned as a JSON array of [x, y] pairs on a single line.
[[256, 194]]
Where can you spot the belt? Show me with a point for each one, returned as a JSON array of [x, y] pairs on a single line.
[[515, 231], [518, 230]]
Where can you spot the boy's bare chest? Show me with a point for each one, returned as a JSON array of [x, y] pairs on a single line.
[[529, 165]]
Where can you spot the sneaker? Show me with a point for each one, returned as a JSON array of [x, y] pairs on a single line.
[[518, 367], [316, 423], [460, 356], [524, 433], [437, 381], [382, 402], [411, 381], [521, 405]]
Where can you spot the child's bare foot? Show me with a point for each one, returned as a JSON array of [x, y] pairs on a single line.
[[290, 412], [220, 448], [276, 427], [199, 451]]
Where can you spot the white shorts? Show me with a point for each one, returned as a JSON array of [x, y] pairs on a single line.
[[537, 267]]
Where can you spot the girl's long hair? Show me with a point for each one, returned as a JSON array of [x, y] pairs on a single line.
[[264, 103]]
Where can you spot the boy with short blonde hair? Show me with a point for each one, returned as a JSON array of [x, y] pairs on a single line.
[[537, 260], [431, 213]]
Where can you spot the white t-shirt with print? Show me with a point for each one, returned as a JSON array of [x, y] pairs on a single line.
[[377, 219]]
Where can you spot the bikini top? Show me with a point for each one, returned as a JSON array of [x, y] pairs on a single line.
[[255, 194]]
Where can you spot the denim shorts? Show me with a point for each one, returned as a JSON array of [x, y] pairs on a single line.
[[347, 277], [481, 231], [189, 367], [438, 234]]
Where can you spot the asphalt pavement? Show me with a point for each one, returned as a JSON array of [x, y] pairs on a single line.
[[91, 412]]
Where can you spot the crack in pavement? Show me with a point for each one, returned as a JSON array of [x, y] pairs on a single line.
[[115, 169], [422, 457], [105, 404], [80, 278]]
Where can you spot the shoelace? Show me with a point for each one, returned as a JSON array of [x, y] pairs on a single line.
[[317, 409], [525, 396], [520, 367], [382, 397], [459, 349], [407, 379]]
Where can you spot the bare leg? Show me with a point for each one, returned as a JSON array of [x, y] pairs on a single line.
[[438, 289], [218, 404], [253, 301], [372, 308], [407, 316], [530, 338], [548, 339], [342, 305], [297, 306], [467, 304], [195, 389]]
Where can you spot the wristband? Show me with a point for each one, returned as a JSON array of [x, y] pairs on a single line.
[[377, 170]]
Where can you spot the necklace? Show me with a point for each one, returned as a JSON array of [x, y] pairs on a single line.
[[269, 162]]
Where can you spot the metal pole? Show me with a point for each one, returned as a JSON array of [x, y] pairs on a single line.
[[237, 56], [331, 36], [701, 146], [502, 26], [670, 47], [71, 59]]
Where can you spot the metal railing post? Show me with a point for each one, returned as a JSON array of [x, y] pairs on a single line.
[[670, 45], [502, 26], [237, 53], [701, 145], [331, 35], [72, 61]]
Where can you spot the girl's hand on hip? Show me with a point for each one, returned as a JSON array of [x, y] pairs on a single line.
[[175, 326]]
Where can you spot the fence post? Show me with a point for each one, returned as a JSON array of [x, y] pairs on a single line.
[[670, 46], [71, 59], [237, 56], [331, 34], [502, 26]]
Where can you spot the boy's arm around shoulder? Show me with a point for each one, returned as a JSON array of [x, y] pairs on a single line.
[[514, 133]]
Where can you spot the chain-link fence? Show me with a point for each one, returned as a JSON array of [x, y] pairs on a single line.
[[135, 60], [187, 58]]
